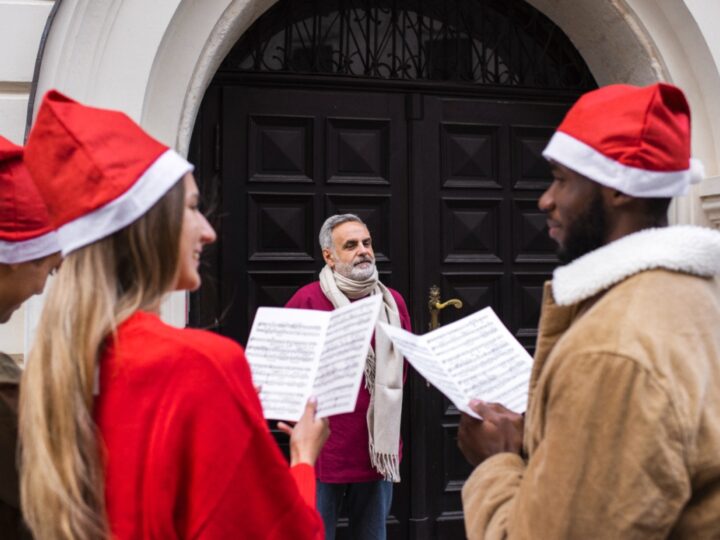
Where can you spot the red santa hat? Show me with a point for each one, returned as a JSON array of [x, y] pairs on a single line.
[[633, 139], [25, 230], [97, 170]]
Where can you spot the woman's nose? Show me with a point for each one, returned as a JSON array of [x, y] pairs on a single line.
[[208, 235]]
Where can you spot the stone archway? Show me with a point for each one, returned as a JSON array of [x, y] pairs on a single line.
[[155, 60]]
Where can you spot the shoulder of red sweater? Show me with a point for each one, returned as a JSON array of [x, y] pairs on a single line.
[[154, 330], [181, 357]]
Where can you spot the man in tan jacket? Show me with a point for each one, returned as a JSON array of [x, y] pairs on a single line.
[[621, 438]]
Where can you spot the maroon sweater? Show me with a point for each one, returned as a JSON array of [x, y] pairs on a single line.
[[345, 457]]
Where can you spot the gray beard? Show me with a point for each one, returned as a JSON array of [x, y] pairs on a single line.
[[355, 272]]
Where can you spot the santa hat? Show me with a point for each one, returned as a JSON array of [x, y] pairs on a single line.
[[97, 170], [633, 139], [25, 230]]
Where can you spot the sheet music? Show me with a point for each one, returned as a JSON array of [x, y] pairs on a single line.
[[282, 351], [342, 360], [475, 357], [296, 353], [422, 358]]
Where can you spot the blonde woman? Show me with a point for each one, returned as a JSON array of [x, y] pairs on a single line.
[[29, 251], [131, 428]]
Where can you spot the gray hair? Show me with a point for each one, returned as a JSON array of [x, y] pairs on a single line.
[[326, 230]]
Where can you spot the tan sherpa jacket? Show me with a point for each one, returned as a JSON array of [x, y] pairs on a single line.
[[623, 422]]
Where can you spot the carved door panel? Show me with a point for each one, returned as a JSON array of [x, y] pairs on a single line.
[[477, 173]]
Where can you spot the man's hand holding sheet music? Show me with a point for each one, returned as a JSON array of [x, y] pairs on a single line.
[[500, 430]]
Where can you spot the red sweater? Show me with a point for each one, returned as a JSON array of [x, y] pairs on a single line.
[[345, 457], [188, 453]]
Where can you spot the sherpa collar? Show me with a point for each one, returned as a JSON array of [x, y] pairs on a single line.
[[682, 248]]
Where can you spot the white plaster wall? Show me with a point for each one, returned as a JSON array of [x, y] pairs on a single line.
[[21, 26], [690, 50], [101, 52]]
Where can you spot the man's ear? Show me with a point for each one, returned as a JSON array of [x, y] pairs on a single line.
[[616, 199], [327, 255]]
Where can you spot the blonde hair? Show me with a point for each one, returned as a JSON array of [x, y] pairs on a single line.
[[96, 289]]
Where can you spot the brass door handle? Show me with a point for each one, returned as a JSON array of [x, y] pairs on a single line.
[[452, 302], [435, 306]]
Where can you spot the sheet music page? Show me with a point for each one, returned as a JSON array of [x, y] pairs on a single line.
[[342, 360], [484, 359], [282, 351], [422, 358]]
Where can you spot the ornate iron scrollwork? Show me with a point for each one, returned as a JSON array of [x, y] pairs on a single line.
[[489, 42]]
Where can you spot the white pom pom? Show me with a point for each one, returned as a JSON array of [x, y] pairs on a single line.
[[697, 170]]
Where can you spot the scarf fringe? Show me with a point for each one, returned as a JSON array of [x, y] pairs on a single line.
[[386, 464]]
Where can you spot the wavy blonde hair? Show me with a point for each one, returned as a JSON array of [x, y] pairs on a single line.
[[96, 289]]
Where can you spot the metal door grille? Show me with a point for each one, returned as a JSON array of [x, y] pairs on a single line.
[[488, 42]]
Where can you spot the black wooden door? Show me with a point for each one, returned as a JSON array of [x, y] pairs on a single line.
[[448, 187], [477, 172], [290, 159]]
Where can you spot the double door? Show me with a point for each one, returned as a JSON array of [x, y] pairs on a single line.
[[448, 187]]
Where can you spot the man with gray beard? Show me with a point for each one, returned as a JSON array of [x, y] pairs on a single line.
[[361, 459]]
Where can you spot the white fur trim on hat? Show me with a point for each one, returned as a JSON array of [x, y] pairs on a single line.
[[29, 250], [682, 248], [584, 159], [128, 207]]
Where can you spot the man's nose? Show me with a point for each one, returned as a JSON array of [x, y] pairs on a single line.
[[546, 201]]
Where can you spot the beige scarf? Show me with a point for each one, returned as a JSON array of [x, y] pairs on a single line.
[[383, 371]]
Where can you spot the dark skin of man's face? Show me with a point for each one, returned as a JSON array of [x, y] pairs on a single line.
[[576, 213]]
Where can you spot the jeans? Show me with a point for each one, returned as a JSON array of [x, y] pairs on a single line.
[[368, 506]]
